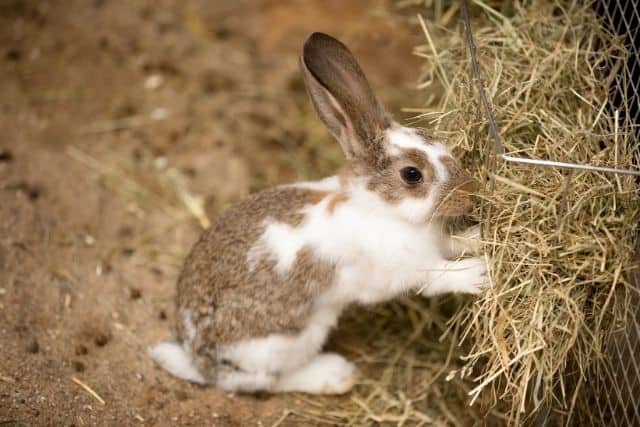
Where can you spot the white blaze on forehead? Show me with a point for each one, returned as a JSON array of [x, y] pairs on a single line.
[[403, 138]]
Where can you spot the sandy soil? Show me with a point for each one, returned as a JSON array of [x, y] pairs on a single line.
[[114, 115]]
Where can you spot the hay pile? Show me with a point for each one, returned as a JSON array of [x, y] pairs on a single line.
[[560, 242]]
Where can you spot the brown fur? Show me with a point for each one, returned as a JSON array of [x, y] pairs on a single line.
[[385, 179], [388, 183], [230, 303], [295, 218], [427, 134], [459, 190], [307, 266], [336, 200], [342, 95]]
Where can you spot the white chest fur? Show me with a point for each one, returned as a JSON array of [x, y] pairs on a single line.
[[378, 254]]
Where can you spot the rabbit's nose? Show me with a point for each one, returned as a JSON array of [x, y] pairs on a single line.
[[458, 195]]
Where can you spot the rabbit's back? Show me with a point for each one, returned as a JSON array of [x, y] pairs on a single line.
[[228, 292]]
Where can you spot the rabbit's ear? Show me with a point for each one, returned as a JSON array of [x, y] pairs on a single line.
[[342, 96]]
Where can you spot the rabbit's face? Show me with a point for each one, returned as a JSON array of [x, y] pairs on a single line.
[[417, 175]]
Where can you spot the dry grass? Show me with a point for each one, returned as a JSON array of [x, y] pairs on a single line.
[[560, 242]]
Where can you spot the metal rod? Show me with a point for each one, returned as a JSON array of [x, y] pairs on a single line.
[[475, 67], [565, 165]]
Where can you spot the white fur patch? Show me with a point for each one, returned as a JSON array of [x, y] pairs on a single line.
[[403, 137], [283, 242], [233, 380], [173, 357], [419, 210], [262, 360], [280, 353], [280, 242]]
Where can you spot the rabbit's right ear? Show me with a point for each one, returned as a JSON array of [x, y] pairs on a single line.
[[342, 96]]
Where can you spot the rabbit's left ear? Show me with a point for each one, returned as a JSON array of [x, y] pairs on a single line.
[[342, 96]]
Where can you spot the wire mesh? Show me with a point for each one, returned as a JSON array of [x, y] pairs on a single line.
[[623, 17], [617, 393]]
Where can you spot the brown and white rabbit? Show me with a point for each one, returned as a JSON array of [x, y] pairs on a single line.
[[263, 287]]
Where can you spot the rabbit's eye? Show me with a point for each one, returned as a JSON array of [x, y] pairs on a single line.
[[411, 175]]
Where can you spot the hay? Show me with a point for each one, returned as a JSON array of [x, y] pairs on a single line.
[[560, 242], [404, 366]]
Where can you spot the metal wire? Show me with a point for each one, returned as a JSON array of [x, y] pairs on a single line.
[[617, 397]]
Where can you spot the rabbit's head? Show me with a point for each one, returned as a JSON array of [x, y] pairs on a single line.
[[408, 168]]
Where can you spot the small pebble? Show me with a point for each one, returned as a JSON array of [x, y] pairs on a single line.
[[14, 54], [181, 395], [153, 82], [222, 33], [134, 293], [125, 231], [81, 350], [159, 113], [33, 346], [161, 162], [5, 155], [89, 240], [127, 251], [78, 366], [101, 339]]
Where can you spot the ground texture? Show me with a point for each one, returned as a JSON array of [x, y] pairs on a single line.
[[117, 119]]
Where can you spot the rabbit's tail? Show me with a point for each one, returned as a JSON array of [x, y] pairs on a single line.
[[173, 357]]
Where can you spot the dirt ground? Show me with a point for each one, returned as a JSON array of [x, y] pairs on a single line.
[[118, 121]]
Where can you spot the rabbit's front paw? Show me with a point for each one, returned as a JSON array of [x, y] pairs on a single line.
[[467, 276], [472, 276], [472, 238], [466, 243]]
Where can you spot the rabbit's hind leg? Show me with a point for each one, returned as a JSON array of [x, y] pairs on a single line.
[[227, 374], [327, 373], [230, 378], [256, 364]]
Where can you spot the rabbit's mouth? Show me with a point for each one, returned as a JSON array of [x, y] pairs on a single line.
[[458, 202]]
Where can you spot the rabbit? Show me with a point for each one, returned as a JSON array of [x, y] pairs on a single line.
[[264, 285]]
